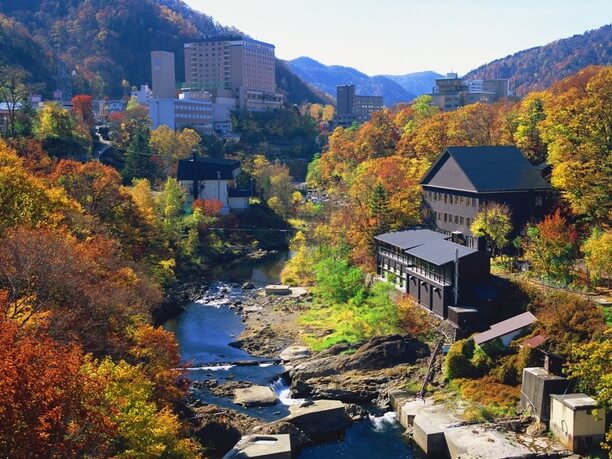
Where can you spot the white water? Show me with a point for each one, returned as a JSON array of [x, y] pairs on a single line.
[[378, 422], [211, 368], [282, 391]]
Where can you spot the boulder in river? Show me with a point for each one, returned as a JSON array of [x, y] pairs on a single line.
[[248, 285], [255, 396], [295, 352]]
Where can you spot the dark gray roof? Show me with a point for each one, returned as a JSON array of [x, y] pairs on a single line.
[[410, 238], [426, 244], [504, 327], [206, 169], [440, 252], [488, 168]]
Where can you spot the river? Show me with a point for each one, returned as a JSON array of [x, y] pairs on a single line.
[[206, 328]]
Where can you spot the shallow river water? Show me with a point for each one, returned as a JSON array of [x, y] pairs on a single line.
[[206, 328]]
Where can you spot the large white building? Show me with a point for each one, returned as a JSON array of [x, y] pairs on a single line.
[[241, 65], [191, 110]]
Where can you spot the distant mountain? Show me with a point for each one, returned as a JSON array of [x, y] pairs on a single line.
[[537, 68], [327, 77], [416, 83], [105, 41]]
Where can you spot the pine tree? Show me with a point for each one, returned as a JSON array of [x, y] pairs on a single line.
[[138, 159]]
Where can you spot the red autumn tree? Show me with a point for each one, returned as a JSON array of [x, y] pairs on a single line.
[[47, 408], [82, 110]]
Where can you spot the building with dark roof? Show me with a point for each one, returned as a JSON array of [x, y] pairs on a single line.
[[464, 180], [427, 266], [213, 179]]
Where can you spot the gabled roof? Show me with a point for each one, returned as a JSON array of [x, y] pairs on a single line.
[[426, 244], [505, 327], [207, 169], [484, 169]]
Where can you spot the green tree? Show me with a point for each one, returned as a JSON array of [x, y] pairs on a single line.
[[171, 204], [590, 364], [138, 159], [495, 223], [527, 136], [337, 281]]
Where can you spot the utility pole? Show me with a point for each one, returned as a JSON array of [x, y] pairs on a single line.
[[456, 287]]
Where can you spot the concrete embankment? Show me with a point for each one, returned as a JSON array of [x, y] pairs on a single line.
[[440, 433]]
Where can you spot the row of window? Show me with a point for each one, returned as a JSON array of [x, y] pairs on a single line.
[[450, 218], [451, 199]]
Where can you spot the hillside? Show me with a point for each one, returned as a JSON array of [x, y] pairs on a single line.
[[326, 78], [103, 41], [537, 68]]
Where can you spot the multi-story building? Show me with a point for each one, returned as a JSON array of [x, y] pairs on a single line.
[[442, 276], [142, 95], [464, 180], [239, 64], [163, 75], [453, 92], [191, 110], [351, 108], [213, 179]]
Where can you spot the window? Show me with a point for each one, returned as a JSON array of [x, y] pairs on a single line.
[[468, 222], [461, 221], [538, 201], [461, 201], [456, 219], [445, 217]]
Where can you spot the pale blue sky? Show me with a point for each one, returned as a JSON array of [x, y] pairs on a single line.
[[402, 36]]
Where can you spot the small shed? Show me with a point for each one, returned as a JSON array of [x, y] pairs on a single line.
[[574, 423], [505, 330]]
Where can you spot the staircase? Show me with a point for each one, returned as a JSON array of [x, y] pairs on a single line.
[[430, 367]]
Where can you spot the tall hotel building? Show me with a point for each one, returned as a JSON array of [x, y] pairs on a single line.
[[234, 67]]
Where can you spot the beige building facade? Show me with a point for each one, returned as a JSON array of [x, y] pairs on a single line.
[[239, 64], [163, 74], [574, 422]]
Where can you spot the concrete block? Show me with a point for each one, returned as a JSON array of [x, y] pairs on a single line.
[[262, 447], [472, 442], [428, 430], [537, 387]]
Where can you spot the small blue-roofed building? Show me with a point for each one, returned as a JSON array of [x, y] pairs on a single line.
[[426, 265]]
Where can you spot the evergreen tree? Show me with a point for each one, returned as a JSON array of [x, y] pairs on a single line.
[[138, 159]]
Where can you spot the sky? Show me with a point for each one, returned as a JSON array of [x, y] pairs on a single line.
[[404, 36]]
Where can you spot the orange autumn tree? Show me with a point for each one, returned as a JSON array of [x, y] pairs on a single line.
[[45, 402], [82, 110]]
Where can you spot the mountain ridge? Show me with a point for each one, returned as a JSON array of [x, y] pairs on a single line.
[[107, 43]]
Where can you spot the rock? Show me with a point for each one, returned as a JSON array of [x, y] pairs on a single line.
[[298, 437], [248, 286], [277, 290], [386, 351], [537, 429], [294, 353], [255, 396], [356, 412]]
